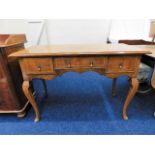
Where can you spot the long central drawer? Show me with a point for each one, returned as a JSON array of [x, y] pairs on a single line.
[[80, 62]]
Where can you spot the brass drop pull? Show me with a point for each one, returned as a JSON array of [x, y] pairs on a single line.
[[39, 67], [120, 66], [91, 63], [68, 61]]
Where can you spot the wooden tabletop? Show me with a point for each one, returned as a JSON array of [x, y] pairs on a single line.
[[150, 48], [81, 49]]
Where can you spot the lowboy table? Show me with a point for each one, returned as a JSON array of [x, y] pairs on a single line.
[[48, 62]]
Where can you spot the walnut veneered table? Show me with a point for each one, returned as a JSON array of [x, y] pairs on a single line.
[[48, 62]]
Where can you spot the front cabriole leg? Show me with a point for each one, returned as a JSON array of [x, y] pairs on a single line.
[[132, 91], [28, 94]]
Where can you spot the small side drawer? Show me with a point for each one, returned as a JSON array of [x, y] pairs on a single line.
[[122, 63], [37, 65], [80, 62]]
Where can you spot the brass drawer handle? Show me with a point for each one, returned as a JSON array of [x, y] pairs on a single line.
[[91, 63], [120, 66], [68, 62], [39, 67]]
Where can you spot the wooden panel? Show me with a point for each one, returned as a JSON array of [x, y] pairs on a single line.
[[121, 63], [37, 65], [1, 72], [7, 101], [77, 62], [15, 72], [115, 63], [12, 98], [130, 62], [11, 40], [3, 39], [3, 80], [12, 49]]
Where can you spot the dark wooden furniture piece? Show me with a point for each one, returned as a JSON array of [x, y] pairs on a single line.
[[48, 62], [12, 99], [136, 42]]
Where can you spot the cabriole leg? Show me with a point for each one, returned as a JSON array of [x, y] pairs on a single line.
[[28, 94], [132, 91], [45, 88], [114, 87]]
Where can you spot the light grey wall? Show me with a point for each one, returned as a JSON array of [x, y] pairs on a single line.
[[31, 28], [58, 31], [77, 31]]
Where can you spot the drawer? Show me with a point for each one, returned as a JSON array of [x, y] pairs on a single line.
[[80, 62], [37, 65], [122, 63]]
